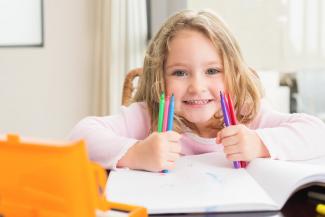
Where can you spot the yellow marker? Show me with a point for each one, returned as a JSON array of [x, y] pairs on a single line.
[[320, 208]]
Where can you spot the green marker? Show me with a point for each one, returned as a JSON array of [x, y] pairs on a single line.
[[161, 111], [161, 116]]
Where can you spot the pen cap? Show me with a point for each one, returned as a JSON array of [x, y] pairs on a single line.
[[320, 208]]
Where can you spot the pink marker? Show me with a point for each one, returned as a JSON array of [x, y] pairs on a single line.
[[165, 122]]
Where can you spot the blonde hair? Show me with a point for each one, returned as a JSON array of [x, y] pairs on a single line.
[[241, 81]]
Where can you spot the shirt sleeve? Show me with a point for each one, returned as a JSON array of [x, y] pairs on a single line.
[[290, 136], [109, 138]]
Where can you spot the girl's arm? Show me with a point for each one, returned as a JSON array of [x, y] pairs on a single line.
[[109, 138], [123, 140], [289, 136]]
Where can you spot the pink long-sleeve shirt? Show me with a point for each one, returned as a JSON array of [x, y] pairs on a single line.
[[286, 136]]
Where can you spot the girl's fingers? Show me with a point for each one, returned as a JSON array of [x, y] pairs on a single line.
[[218, 138], [231, 140], [173, 156], [231, 149], [170, 162], [228, 131], [234, 157], [175, 147], [169, 165], [173, 136]]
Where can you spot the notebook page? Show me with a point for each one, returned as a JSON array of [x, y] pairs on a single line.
[[200, 183], [280, 179]]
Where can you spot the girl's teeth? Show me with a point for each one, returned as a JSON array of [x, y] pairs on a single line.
[[197, 102]]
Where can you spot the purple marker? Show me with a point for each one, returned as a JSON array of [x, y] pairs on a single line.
[[227, 121]]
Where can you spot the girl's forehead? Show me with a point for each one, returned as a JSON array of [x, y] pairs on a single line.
[[189, 38], [187, 32], [191, 32]]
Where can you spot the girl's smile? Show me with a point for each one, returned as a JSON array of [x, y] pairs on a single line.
[[197, 103]]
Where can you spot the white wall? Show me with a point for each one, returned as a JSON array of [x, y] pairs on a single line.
[[45, 91], [256, 24], [280, 35]]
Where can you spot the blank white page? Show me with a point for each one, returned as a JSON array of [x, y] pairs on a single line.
[[200, 183]]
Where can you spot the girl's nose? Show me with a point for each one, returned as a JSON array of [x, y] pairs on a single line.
[[197, 85]]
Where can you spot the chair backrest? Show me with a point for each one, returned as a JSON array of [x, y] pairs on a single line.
[[130, 84]]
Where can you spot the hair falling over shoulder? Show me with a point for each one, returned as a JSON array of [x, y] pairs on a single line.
[[240, 81]]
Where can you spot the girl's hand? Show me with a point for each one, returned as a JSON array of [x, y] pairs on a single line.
[[155, 153], [241, 143]]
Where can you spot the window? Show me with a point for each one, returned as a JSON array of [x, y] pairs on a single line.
[[21, 23]]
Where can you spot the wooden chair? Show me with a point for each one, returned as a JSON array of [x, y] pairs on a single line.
[[129, 85]]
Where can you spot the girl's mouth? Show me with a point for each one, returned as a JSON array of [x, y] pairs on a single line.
[[197, 101]]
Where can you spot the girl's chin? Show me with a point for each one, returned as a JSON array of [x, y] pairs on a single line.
[[197, 116], [198, 119]]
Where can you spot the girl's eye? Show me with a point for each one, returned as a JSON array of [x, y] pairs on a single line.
[[212, 71], [179, 73]]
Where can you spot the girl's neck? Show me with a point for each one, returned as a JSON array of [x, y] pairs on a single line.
[[204, 130]]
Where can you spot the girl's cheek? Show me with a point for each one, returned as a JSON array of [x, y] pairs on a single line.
[[177, 107], [218, 89], [171, 90]]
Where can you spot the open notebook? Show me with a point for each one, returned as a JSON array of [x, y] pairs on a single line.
[[208, 183]]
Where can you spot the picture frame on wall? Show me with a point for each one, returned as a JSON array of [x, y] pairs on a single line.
[[21, 23]]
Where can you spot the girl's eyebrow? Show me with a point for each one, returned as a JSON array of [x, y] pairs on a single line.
[[209, 63], [176, 65]]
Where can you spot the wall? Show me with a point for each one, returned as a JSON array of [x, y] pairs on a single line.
[[278, 36], [256, 25], [285, 35], [45, 91]]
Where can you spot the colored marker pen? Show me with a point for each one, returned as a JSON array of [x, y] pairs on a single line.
[[161, 112], [171, 113], [227, 122], [233, 120]]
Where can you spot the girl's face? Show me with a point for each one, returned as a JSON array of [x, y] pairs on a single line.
[[194, 74]]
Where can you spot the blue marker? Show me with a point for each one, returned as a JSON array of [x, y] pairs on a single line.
[[171, 113]]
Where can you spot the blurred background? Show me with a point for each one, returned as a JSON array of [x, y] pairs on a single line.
[[63, 60]]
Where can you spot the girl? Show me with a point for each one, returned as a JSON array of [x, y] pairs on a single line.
[[194, 56]]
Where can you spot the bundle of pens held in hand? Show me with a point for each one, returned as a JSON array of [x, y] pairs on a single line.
[[166, 114], [166, 117], [229, 118]]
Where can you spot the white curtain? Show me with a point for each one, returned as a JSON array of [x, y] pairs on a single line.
[[305, 34], [120, 44]]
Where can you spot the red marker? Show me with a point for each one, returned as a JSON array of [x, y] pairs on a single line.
[[233, 120]]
